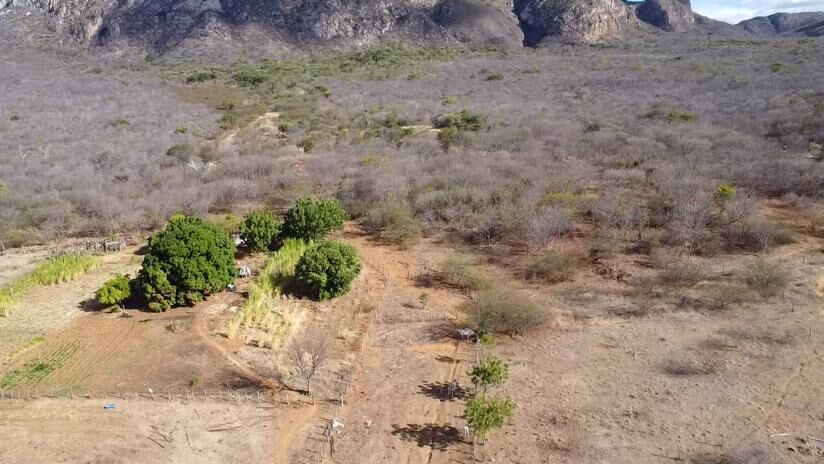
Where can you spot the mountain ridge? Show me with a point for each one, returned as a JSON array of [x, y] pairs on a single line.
[[163, 25]]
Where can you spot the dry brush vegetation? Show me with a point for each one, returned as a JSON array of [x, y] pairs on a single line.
[[668, 177]]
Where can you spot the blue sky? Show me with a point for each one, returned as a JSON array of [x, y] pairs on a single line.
[[734, 11]]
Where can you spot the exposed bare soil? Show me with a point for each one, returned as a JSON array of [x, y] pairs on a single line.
[[683, 382]]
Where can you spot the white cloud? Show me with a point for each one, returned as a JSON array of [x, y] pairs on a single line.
[[735, 11]]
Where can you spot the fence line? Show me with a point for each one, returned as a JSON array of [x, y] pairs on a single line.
[[226, 395]]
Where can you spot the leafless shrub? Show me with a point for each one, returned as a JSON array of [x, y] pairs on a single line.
[[812, 211], [307, 355], [546, 226], [724, 295], [765, 276], [679, 271]]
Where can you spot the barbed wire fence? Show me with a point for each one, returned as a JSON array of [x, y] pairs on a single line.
[[320, 443]]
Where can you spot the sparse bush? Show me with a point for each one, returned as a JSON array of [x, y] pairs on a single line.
[[229, 121], [185, 262], [114, 291], [449, 100], [503, 310], [182, 152], [680, 116], [461, 120], [724, 295], [679, 272], [765, 276], [200, 76], [725, 191], [459, 271], [229, 104], [553, 266], [393, 222], [311, 220], [306, 144], [327, 270], [547, 225], [120, 122], [706, 365], [449, 137], [259, 230], [812, 211]]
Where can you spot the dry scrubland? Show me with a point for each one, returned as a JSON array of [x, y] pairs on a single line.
[[651, 212]]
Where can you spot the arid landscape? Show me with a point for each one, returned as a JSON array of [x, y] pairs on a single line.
[[550, 232]]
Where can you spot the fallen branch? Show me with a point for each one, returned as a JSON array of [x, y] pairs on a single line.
[[156, 442]]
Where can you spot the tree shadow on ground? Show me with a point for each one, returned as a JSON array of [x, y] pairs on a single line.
[[439, 437], [440, 391]]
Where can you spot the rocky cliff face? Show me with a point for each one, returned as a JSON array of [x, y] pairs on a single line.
[[669, 15], [573, 20], [809, 24], [470, 21], [161, 25]]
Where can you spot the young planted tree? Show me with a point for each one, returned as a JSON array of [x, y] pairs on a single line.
[[486, 414], [312, 219], [490, 372], [259, 229], [186, 261], [114, 291], [307, 355]]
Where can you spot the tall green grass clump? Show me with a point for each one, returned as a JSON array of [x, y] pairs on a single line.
[[63, 268], [268, 313]]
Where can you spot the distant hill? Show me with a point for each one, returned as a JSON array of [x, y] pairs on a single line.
[[786, 24]]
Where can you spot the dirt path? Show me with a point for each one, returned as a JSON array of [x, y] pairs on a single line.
[[398, 410], [266, 121]]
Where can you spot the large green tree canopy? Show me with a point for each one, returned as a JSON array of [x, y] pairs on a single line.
[[186, 261]]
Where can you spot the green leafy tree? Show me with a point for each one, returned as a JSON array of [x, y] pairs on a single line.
[[490, 372], [186, 261], [259, 229], [311, 220], [114, 291], [486, 414], [327, 270]]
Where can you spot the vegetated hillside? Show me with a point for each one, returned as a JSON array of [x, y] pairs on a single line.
[[527, 134]]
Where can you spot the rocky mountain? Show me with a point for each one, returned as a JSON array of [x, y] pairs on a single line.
[[669, 15], [573, 20], [162, 25], [798, 24]]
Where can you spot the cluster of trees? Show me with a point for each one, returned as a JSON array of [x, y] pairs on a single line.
[[191, 258]]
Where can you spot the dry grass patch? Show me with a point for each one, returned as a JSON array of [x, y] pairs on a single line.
[[269, 316], [56, 270]]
